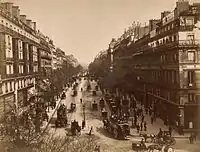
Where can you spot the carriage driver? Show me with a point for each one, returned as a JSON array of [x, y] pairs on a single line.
[[142, 144]]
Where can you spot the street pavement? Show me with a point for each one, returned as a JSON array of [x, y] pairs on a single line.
[[93, 119]]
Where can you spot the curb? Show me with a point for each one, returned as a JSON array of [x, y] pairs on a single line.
[[183, 137]]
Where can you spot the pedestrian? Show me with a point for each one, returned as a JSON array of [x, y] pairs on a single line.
[[132, 122], [135, 122], [81, 100], [152, 120], [141, 126], [91, 129], [138, 128], [191, 139], [142, 118], [195, 136], [170, 131], [83, 124], [145, 126]]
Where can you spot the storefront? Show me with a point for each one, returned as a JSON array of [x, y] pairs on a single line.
[[191, 117], [1, 105], [9, 102], [21, 98]]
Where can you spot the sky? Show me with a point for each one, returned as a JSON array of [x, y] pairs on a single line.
[[85, 27]]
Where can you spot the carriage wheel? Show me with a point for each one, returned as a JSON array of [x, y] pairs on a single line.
[[170, 149], [115, 133]]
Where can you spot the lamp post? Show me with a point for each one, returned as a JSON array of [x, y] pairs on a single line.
[[84, 112]]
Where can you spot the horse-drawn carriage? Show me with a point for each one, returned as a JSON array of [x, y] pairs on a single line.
[[61, 120], [94, 106], [94, 93], [118, 128], [63, 96], [104, 114], [162, 139], [88, 87], [72, 107], [74, 93], [138, 147], [75, 128], [102, 103]]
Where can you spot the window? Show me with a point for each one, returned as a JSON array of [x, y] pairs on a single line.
[[35, 68], [9, 69], [190, 38], [21, 69], [11, 89], [28, 68], [189, 21], [191, 98], [191, 77], [8, 45], [19, 84], [27, 48], [6, 86], [20, 49], [191, 56]]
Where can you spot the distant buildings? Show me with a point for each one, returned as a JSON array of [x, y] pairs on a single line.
[[25, 55], [162, 63]]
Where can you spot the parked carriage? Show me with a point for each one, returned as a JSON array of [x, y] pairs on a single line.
[[75, 128], [74, 93], [119, 129], [88, 87], [63, 96], [94, 106], [94, 93], [164, 139], [61, 120], [102, 103], [72, 107], [104, 114]]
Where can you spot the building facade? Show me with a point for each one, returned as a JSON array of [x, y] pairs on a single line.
[[164, 65], [18, 57]]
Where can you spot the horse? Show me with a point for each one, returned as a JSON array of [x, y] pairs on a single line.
[[151, 148], [146, 136]]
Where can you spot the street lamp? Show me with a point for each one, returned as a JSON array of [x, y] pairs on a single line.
[[84, 112]]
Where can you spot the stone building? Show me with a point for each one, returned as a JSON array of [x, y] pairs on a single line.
[[163, 64]]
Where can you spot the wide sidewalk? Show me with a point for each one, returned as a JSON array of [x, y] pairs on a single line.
[[52, 112], [157, 124]]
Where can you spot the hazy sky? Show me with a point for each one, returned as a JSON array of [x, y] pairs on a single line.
[[85, 27]]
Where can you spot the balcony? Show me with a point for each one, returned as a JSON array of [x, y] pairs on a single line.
[[167, 45], [186, 28], [46, 55]]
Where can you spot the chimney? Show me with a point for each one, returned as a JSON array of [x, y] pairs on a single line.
[[16, 11], [152, 24], [8, 6], [34, 26], [165, 13], [181, 6], [28, 22], [23, 18]]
